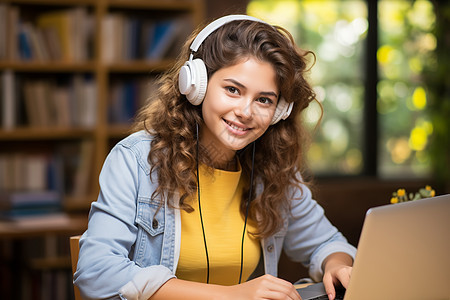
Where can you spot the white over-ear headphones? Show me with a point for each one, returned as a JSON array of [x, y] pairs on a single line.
[[193, 77]]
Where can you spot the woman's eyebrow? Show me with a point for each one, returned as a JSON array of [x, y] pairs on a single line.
[[235, 82], [240, 85]]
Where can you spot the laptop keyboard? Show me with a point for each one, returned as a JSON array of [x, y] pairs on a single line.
[[339, 296], [325, 297], [317, 292]]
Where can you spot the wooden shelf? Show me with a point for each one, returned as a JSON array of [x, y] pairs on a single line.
[[24, 134], [58, 224], [140, 66], [52, 2], [78, 203], [170, 5], [48, 66], [119, 130], [59, 262], [133, 66]]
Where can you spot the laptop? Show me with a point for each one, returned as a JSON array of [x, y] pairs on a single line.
[[403, 253]]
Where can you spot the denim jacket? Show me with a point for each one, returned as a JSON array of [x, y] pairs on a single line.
[[131, 248]]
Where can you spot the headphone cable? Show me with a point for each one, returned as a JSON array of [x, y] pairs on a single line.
[[246, 211], [200, 210]]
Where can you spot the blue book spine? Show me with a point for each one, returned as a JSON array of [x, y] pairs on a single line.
[[24, 46]]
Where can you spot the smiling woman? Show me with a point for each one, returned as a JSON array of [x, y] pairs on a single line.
[[202, 199]]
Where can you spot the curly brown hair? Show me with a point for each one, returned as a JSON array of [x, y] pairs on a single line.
[[172, 121]]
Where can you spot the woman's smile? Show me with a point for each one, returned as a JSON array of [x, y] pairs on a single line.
[[236, 128]]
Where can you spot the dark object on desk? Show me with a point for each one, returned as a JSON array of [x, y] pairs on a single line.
[[317, 292]]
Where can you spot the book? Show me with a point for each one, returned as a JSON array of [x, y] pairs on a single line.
[[165, 35], [124, 101], [133, 34], [109, 39], [38, 48], [36, 97], [35, 175], [25, 51], [4, 174], [3, 32], [31, 109], [86, 100], [63, 22], [31, 172], [51, 42], [12, 44], [83, 172], [31, 184], [8, 100], [29, 203], [31, 43], [146, 36], [61, 101], [69, 102]]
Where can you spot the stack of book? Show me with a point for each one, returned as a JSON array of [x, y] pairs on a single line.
[[36, 183], [67, 101], [62, 35], [131, 38], [30, 184], [128, 96]]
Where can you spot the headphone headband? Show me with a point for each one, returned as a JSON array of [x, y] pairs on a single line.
[[215, 25]]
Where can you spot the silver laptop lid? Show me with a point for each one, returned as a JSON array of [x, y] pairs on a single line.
[[404, 252]]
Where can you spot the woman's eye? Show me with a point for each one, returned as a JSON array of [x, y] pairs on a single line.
[[232, 90], [265, 100]]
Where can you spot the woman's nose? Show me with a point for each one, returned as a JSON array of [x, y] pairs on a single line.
[[244, 109]]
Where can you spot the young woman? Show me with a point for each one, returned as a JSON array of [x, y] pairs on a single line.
[[200, 201]]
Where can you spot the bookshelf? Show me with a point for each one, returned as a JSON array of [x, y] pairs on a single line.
[[101, 76], [62, 97]]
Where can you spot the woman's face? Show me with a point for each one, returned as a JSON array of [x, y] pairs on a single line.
[[239, 104]]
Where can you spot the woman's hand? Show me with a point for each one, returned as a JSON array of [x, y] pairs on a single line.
[[337, 270], [264, 287]]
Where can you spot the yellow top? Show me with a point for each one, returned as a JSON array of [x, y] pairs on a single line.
[[220, 195]]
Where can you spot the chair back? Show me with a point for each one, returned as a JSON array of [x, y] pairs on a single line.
[[74, 250]]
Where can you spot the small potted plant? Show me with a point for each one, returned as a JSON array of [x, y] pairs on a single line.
[[402, 196]]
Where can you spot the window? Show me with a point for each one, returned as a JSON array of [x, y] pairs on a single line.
[[368, 79], [406, 46]]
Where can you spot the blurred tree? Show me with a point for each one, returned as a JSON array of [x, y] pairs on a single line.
[[412, 88], [438, 83]]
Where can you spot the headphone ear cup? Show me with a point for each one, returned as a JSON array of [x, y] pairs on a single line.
[[282, 111], [185, 79], [192, 81]]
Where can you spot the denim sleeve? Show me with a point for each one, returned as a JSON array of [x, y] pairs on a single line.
[[310, 236], [104, 268]]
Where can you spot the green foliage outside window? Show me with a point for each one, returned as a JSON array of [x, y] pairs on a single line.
[[407, 45], [336, 32]]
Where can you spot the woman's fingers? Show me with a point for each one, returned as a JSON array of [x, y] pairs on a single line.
[[268, 287], [329, 286], [337, 276]]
